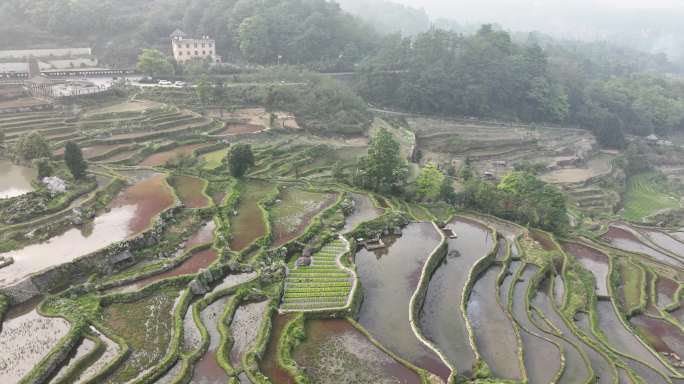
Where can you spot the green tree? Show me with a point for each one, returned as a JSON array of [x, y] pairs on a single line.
[[429, 182], [255, 43], [44, 168], [384, 168], [153, 62], [240, 159], [204, 91], [73, 157], [32, 146]]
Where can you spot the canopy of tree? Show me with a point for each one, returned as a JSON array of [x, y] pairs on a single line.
[[73, 157], [32, 146], [520, 197], [489, 75], [384, 169], [314, 32], [240, 159]]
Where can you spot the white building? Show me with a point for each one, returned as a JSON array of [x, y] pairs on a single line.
[[188, 48]]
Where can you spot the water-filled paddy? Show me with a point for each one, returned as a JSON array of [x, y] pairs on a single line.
[[294, 211], [130, 212], [269, 362], [147, 326], [441, 319], [109, 354], [15, 180], [85, 347], [336, 352], [665, 291], [622, 238], [364, 210], [621, 339], [190, 191], [494, 334], [207, 370], [244, 329], [594, 261], [160, 158], [26, 337], [660, 334], [248, 225], [389, 278], [542, 358]]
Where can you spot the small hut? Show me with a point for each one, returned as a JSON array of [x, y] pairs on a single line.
[[303, 261]]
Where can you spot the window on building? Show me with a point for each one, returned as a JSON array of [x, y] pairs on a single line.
[[211, 52], [204, 53], [196, 53], [202, 45], [195, 45], [187, 45], [180, 53]]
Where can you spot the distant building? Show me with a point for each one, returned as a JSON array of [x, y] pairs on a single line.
[[187, 48]]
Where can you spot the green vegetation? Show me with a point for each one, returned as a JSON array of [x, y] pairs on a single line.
[[32, 146], [73, 157], [646, 195], [154, 63], [429, 183], [320, 285], [213, 160], [240, 159], [383, 170]]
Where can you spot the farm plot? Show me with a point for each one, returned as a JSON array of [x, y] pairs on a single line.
[[295, 210], [190, 190], [322, 284], [147, 327], [161, 158], [646, 195], [244, 329]]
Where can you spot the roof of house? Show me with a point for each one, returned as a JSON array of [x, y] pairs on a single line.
[[178, 33]]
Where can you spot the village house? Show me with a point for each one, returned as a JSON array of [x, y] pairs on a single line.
[[186, 48]]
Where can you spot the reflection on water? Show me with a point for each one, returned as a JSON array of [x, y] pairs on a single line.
[[15, 180]]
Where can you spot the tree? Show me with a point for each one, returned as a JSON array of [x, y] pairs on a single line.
[[44, 168], [384, 168], [153, 62], [32, 146], [203, 91], [73, 157], [429, 182], [240, 159]]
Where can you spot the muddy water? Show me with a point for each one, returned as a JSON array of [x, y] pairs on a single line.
[[558, 290], [390, 277], [244, 329], [494, 334], [441, 318], [622, 339], [576, 370], [26, 338], [191, 334], [83, 349], [269, 363], [664, 241], [542, 358], [110, 353], [505, 288], [207, 369], [665, 290], [15, 180], [622, 238], [296, 210], [130, 213], [659, 334], [594, 261], [364, 210], [171, 375], [248, 225], [336, 352], [159, 159], [189, 190]]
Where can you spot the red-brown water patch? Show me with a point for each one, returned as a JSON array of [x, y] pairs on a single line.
[[248, 225], [236, 129], [623, 238], [594, 261], [294, 213], [190, 191], [269, 362], [665, 290], [160, 158], [150, 197]]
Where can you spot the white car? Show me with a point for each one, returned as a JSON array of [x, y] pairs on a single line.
[[165, 82], [180, 84]]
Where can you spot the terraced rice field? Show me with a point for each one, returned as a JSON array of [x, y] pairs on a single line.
[[645, 196], [292, 214], [323, 284]]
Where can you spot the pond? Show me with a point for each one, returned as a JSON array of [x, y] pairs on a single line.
[[594, 261], [364, 210], [542, 358], [389, 277], [26, 337], [623, 238], [494, 334], [248, 225], [130, 213], [336, 352], [207, 370], [15, 180], [441, 318]]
